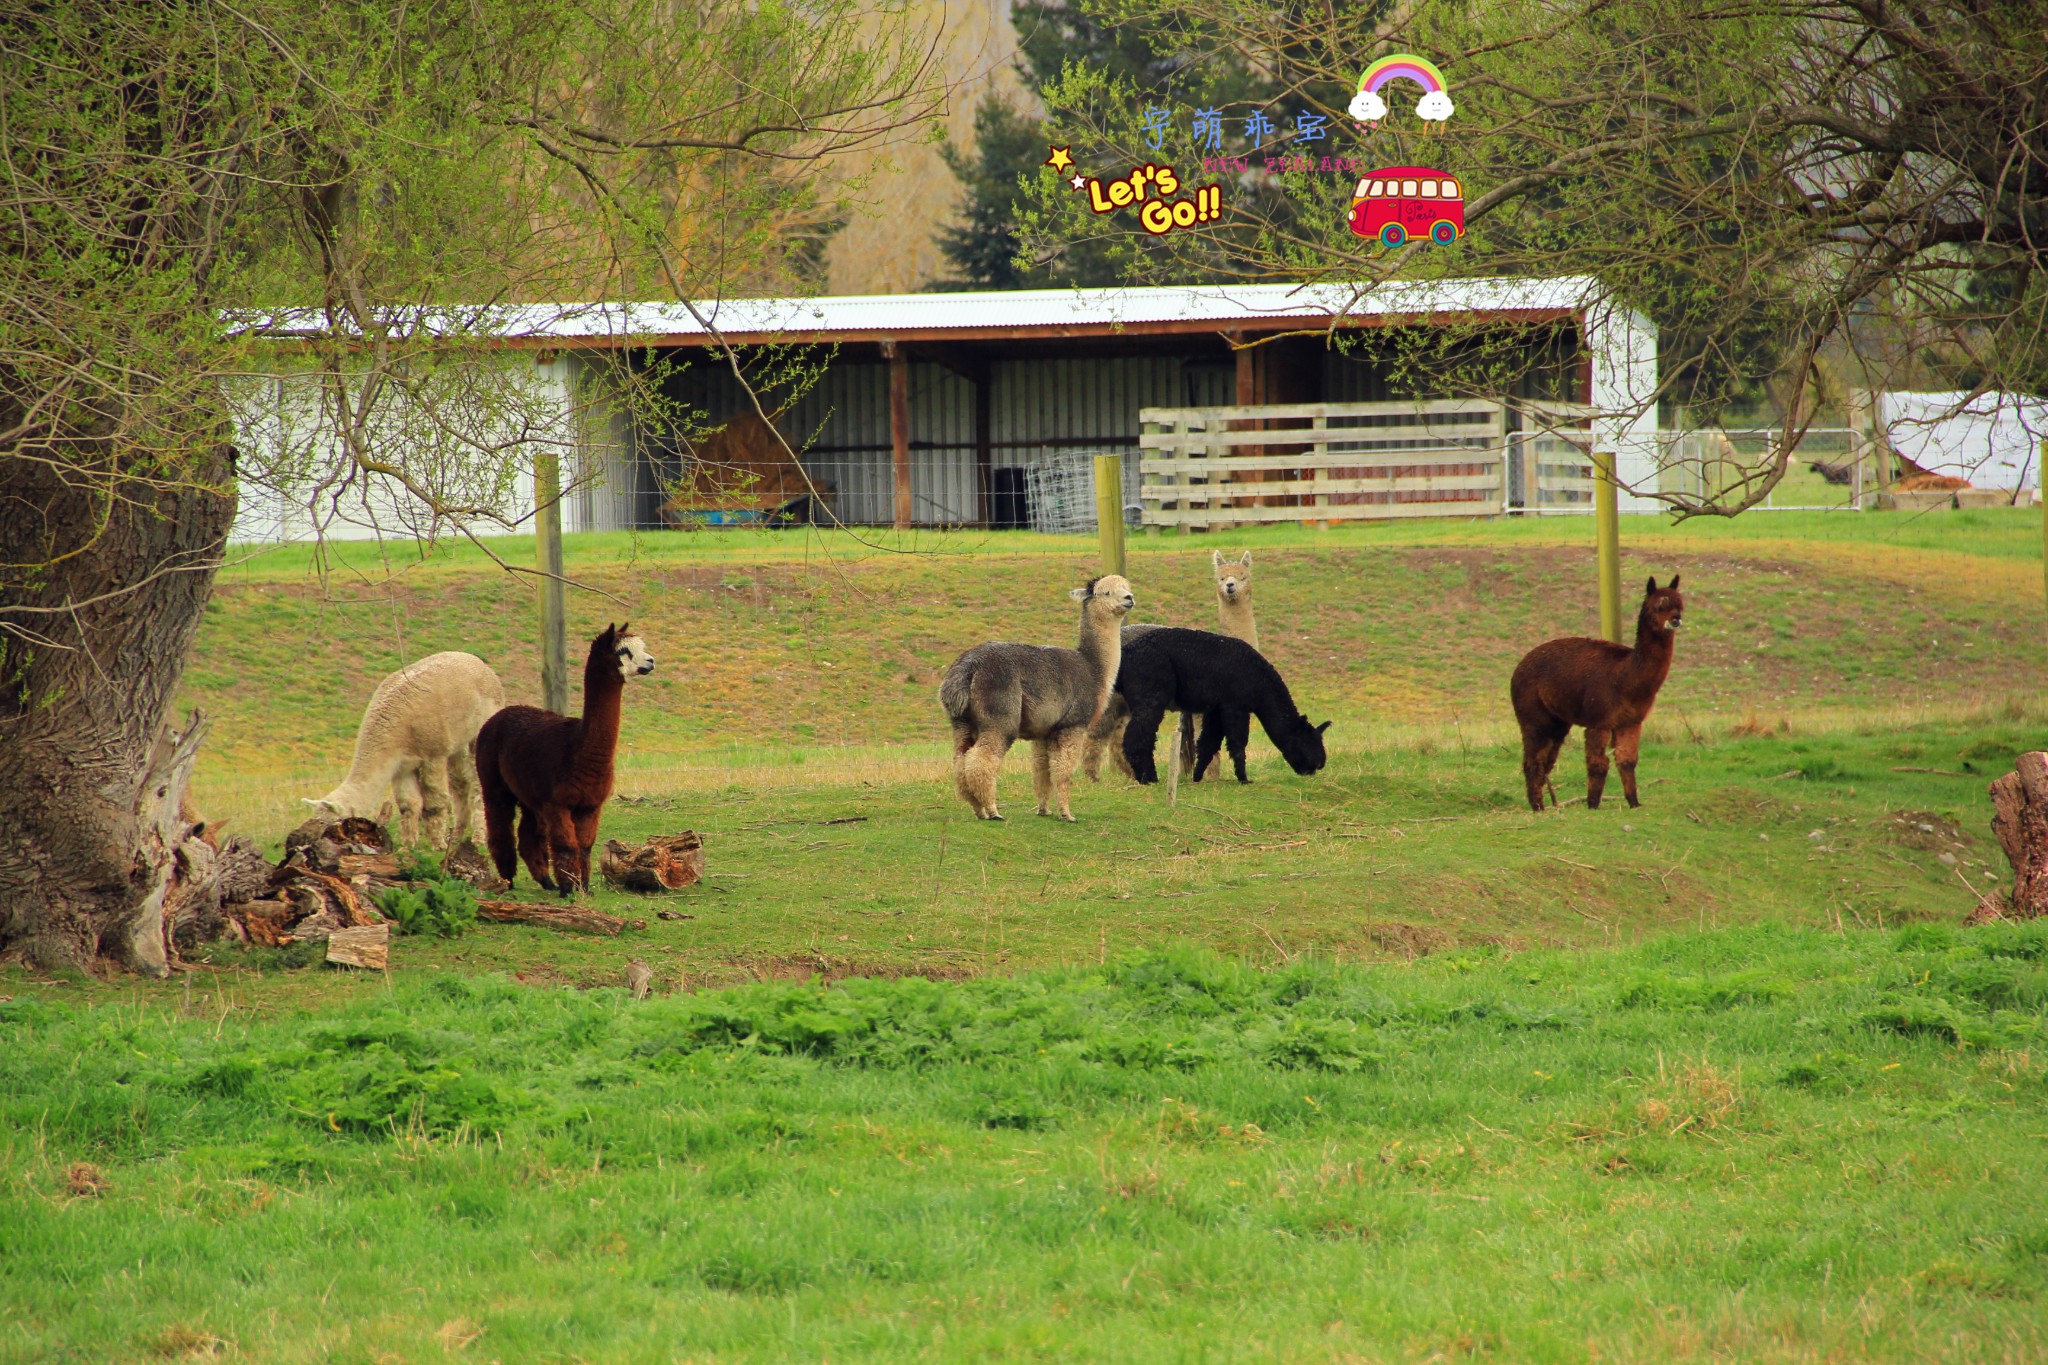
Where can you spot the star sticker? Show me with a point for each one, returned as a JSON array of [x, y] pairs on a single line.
[[1059, 160], [1079, 181]]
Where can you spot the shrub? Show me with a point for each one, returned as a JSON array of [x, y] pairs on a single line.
[[444, 908]]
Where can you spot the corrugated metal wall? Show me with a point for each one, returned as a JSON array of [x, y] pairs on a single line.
[[1042, 411]]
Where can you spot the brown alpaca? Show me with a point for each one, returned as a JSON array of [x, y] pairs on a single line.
[[556, 773], [1603, 686]]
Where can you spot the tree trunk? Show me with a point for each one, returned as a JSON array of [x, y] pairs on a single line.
[[2019, 818], [91, 651]]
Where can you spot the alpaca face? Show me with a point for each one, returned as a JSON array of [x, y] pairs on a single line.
[[634, 660], [1305, 752], [1111, 592], [1664, 606], [1233, 579]]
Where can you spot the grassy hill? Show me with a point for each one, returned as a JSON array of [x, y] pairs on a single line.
[[1376, 1065]]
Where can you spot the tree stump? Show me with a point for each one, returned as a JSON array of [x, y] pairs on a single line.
[[667, 862], [2020, 820]]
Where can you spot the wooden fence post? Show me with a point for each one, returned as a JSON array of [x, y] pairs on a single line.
[[1607, 520], [1109, 510], [547, 554]]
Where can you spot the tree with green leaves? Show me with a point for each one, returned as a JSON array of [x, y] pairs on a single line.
[[1788, 191], [1053, 36], [325, 211]]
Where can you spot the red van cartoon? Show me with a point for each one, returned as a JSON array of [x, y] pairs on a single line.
[[1401, 204]]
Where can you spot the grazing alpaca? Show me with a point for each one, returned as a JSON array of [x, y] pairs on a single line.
[[1605, 687], [997, 694], [418, 743], [1234, 611], [1227, 682], [557, 772]]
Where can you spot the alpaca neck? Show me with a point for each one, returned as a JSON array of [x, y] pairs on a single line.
[[1650, 661], [1102, 647], [602, 687], [1236, 616]]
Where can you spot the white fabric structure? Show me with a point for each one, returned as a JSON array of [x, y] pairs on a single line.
[[1991, 439]]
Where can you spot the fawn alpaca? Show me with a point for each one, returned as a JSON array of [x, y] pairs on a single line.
[[556, 773], [1602, 686], [997, 694]]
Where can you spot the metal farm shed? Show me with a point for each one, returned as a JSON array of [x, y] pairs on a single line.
[[931, 409]]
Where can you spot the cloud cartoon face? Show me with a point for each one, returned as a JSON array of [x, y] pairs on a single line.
[[1436, 106], [1368, 107]]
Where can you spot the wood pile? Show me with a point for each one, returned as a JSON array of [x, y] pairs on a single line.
[[326, 888], [2019, 802], [667, 862]]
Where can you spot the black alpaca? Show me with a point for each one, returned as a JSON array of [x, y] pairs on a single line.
[[1227, 682]]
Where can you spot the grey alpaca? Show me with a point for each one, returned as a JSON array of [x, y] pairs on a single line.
[[997, 694]]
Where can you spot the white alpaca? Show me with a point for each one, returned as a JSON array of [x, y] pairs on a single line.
[[418, 742]]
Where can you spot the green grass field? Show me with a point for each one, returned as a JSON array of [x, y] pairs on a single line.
[[1372, 1066]]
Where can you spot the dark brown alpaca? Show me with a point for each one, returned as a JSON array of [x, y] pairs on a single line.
[[1597, 684], [556, 773]]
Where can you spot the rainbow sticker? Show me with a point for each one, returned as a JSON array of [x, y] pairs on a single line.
[[1403, 66], [1369, 107]]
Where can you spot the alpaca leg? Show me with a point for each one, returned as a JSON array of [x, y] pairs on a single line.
[[1186, 739], [963, 745], [1596, 764], [1208, 745], [1139, 738], [533, 847], [1237, 734], [978, 769], [1066, 753], [1116, 747], [1041, 774], [1627, 745], [462, 795], [586, 839], [501, 813], [560, 827], [434, 802], [405, 790], [1540, 743], [1106, 735]]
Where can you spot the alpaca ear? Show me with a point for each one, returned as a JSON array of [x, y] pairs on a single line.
[[1653, 584], [1324, 726], [1080, 594], [1215, 559], [1674, 583], [1245, 559]]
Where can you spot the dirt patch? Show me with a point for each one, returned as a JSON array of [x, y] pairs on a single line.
[[824, 969], [1926, 830], [1405, 940]]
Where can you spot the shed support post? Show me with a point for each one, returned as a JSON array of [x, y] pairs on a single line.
[[984, 451], [547, 554], [1607, 519], [899, 427]]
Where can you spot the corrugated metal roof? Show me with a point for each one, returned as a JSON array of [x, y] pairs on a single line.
[[1040, 311]]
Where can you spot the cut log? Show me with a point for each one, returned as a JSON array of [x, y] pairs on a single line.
[[368, 947], [2019, 802], [468, 862], [667, 862], [575, 918]]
